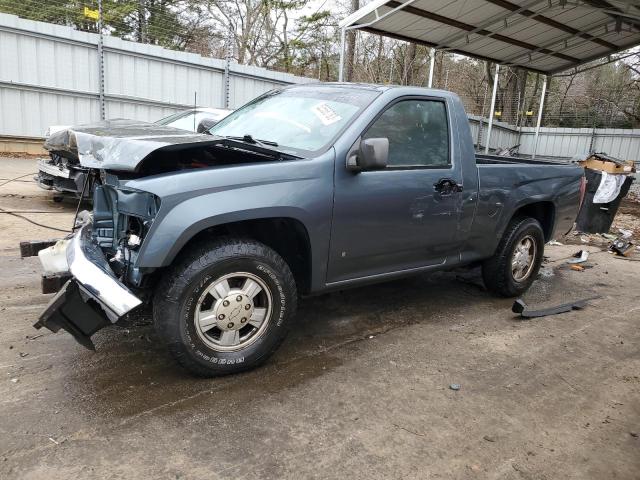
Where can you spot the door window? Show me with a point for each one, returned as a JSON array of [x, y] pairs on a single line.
[[418, 133]]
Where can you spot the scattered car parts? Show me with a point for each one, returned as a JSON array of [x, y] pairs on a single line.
[[521, 308], [621, 246], [580, 256]]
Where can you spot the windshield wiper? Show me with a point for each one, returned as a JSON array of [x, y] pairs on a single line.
[[247, 138], [263, 147]]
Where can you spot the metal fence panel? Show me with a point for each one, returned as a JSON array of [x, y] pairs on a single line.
[[49, 76], [502, 134], [567, 142]]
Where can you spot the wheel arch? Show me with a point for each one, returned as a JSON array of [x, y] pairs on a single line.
[[544, 211], [286, 235]]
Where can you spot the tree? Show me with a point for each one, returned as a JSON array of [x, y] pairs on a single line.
[[350, 56]]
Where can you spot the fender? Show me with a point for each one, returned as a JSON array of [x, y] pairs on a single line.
[[195, 200]]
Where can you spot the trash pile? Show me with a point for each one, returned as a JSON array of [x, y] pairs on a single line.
[[622, 244], [608, 182]]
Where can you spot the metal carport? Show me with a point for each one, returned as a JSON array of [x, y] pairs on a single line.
[[543, 36]]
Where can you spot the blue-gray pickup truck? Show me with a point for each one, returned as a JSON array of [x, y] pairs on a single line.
[[303, 190]]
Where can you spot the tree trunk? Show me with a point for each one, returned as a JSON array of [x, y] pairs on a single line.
[[409, 61], [350, 57], [510, 98], [141, 21], [534, 94]]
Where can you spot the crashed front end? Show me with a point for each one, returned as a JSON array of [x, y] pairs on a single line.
[[99, 261], [62, 175], [93, 298]]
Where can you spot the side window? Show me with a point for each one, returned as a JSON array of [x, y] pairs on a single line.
[[418, 133]]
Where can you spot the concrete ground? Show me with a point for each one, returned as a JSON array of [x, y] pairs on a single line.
[[360, 389]]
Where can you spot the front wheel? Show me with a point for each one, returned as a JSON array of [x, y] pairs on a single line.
[[514, 266], [226, 306]]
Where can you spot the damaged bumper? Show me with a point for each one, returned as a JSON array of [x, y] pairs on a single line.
[[52, 176], [94, 297]]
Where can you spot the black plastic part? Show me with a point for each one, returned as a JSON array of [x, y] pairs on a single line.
[[103, 217], [620, 246], [70, 311], [31, 249], [521, 308], [598, 217], [53, 283]]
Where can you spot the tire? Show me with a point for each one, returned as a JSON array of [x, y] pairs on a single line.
[[498, 273], [195, 285]]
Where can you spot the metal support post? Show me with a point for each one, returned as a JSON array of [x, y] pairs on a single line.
[[343, 34], [432, 61], [481, 122], [539, 122], [100, 63], [226, 81], [493, 107]]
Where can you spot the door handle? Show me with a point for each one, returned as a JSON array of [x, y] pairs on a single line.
[[447, 186]]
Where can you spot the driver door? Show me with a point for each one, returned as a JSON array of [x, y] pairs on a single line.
[[406, 215]]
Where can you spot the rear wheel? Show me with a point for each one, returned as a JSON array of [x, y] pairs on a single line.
[[514, 266], [226, 306]]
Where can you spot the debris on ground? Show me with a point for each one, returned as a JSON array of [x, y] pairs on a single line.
[[577, 268], [554, 242], [521, 308], [455, 386], [579, 257], [621, 246], [489, 438]]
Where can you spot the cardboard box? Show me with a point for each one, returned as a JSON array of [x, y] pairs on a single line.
[[596, 162]]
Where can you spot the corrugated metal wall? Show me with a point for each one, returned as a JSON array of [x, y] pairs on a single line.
[[49, 76], [559, 142], [566, 142], [502, 134]]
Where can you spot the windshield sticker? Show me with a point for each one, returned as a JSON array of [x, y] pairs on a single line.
[[325, 113]]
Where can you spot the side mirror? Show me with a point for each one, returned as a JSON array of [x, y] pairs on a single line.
[[373, 154], [205, 125]]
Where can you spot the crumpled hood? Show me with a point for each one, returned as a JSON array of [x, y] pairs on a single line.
[[120, 144]]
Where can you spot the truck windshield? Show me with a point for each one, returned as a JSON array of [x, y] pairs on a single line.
[[303, 119]]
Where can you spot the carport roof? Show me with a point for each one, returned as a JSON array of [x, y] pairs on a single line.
[[545, 36]]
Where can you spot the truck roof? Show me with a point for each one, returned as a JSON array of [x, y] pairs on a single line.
[[369, 87]]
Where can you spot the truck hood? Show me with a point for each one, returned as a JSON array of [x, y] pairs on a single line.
[[120, 144]]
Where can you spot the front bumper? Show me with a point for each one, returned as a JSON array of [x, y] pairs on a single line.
[[93, 298], [62, 179], [45, 166]]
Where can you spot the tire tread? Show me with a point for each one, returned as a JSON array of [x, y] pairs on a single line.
[[166, 307], [495, 269]]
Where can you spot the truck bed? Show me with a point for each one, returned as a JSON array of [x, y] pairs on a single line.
[[482, 159]]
